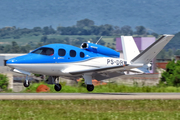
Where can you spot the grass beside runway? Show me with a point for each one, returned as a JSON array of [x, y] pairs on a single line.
[[90, 109], [111, 87]]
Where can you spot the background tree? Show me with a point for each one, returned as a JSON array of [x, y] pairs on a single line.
[[177, 52], [48, 30], [37, 29], [126, 30], [15, 47], [44, 39], [117, 30], [106, 30], [140, 30], [170, 53], [85, 22], [25, 49]]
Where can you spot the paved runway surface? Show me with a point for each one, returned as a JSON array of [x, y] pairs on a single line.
[[97, 96]]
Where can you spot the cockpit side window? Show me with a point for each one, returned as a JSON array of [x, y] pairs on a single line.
[[61, 52], [72, 53], [44, 51], [82, 54]]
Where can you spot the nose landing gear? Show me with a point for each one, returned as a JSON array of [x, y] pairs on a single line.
[[26, 82]]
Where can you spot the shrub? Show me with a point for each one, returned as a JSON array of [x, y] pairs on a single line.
[[171, 77], [3, 82], [81, 83]]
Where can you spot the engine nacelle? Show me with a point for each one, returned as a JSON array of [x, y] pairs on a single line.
[[100, 49]]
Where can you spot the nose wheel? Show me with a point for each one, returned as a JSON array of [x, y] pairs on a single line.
[[26, 83]]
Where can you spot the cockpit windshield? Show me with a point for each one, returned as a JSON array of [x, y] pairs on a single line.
[[44, 51]]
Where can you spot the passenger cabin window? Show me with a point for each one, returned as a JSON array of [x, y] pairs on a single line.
[[44, 51], [72, 53], [61, 52], [82, 55]]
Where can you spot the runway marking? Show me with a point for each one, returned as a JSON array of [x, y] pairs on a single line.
[[89, 96]]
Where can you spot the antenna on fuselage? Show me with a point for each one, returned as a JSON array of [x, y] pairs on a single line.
[[99, 40]]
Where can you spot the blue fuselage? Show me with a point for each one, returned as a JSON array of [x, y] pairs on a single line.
[[70, 54]]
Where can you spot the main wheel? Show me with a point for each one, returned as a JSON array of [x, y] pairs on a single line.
[[57, 87], [90, 87], [26, 83]]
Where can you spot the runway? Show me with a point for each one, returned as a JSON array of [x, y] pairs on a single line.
[[89, 96]]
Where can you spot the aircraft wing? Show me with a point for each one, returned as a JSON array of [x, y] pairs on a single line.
[[104, 72], [99, 73], [96, 69]]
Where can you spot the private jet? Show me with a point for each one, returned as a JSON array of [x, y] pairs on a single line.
[[90, 61]]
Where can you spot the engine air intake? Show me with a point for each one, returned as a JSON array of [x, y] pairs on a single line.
[[100, 49]]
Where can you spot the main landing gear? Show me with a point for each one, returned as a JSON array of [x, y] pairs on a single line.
[[57, 87], [88, 81], [54, 80]]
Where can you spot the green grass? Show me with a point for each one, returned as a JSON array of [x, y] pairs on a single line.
[[90, 109], [111, 87], [109, 40], [23, 40]]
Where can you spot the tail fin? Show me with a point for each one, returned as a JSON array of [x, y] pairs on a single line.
[[130, 49], [149, 53]]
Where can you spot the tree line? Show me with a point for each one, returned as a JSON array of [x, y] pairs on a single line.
[[82, 27]]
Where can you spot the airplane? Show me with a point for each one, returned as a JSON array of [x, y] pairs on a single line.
[[90, 61]]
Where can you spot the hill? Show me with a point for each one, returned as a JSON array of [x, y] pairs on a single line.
[[160, 16]]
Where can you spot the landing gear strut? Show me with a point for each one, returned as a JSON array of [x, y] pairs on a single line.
[[88, 81], [55, 81], [26, 82]]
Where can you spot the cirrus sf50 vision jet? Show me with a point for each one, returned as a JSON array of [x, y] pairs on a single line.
[[90, 61]]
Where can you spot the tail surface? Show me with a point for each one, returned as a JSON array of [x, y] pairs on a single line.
[[149, 53], [130, 49]]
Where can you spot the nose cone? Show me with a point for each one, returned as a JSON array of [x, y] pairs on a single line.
[[11, 62]]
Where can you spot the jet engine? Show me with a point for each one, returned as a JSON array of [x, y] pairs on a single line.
[[100, 49]]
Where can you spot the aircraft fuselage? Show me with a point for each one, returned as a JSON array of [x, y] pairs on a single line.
[[62, 59]]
